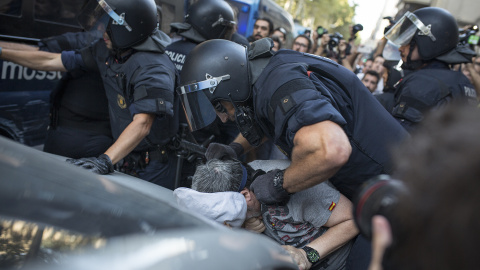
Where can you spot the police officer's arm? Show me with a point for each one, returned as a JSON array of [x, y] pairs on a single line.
[[319, 151], [17, 46], [135, 132], [38, 60]]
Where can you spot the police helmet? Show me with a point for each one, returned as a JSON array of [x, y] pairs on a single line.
[[434, 30], [214, 70], [211, 19], [127, 22]]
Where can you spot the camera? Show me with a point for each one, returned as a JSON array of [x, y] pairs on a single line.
[[356, 28], [321, 31], [307, 32], [468, 36], [334, 40], [378, 196], [392, 23]]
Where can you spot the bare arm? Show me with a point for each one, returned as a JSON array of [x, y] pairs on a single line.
[[138, 129], [341, 226], [342, 229], [17, 46], [319, 151], [380, 46], [38, 60]]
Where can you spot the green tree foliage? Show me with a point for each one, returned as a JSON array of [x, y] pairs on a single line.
[[334, 15]]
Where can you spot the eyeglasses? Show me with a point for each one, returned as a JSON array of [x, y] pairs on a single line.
[[300, 44]]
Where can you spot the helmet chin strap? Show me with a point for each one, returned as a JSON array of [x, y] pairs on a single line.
[[409, 64], [248, 127]]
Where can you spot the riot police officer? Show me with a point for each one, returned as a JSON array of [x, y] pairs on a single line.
[[79, 119], [428, 40], [205, 19], [319, 113], [139, 80]]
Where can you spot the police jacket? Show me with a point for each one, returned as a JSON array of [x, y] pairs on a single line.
[[178, 51], [296, 90], [79, 100], [430, 87], [143, 83]]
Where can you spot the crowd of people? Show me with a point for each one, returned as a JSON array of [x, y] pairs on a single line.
[[336, 121]]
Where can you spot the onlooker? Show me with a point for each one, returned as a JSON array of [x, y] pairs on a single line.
[[377, 66], [302, 43], [370, 80], [277, 43], [321, 38], [316, 225], [281, 33], [439, 167], [262, 28], [367, 65]]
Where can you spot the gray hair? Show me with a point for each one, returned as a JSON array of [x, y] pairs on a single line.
[[218, 176]]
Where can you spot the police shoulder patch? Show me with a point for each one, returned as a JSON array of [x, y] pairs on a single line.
[[121, 102]]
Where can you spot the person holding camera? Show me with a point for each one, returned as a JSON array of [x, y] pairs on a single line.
[[321, 38], [428, 217], [428, 40], [338, 49]]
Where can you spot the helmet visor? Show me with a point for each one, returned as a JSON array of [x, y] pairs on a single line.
[[196, 105], [391, 52], [96, 14], [403, 31]]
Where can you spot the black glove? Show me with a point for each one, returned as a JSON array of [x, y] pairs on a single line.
[[222, 151], [268, 188], [101, 165]]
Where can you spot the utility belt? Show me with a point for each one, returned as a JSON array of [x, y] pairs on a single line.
[[139, 160]]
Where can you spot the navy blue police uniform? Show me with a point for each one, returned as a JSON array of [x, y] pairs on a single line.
[[79, 120], [296, 90], [222, 132], [142, 82], [431, 87], [178, 51]]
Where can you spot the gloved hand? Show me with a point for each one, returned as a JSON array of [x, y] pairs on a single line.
[[222, 151], [101, 165], [268, 188]]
